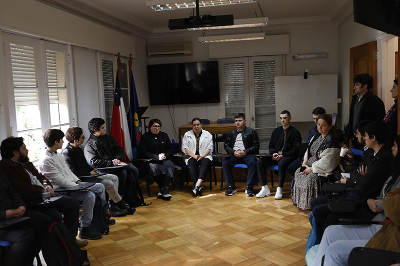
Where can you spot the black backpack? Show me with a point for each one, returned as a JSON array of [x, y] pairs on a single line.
[[99, 221], [59, 248], [133, 193]]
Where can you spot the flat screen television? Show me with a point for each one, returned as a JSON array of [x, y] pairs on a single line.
[[382, 15], [183, 83]]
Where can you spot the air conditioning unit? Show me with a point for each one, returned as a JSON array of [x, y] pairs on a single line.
[[168, 49]]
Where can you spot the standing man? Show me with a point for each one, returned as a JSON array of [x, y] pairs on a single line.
[[284, 148], [365, 105], [241, 144], [297, 163]]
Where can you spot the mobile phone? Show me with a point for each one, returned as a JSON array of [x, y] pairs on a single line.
[[302, 168]]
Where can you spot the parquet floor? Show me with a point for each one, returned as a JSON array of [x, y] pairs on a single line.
[[209, 230]]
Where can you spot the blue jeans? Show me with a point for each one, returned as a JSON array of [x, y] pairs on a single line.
[[230, 162]]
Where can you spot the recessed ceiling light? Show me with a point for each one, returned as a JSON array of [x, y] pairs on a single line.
[[238, 23], [163, 5], [233, 38]]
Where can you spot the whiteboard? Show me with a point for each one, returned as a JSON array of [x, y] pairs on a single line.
[[300, 96]]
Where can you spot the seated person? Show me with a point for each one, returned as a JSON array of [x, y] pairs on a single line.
[[26, 236], [198, 144], [52, 166], [322, 157], [75, 159], [339, 240], [241, 144], [297, 163], [156, 145], [369, 178], [360, 132], [284, 148], [101, 150], [28, 182]]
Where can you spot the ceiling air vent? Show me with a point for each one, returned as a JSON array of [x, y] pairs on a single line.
[[169, 49]]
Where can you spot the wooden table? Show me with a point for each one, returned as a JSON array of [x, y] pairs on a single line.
[[212, 128]]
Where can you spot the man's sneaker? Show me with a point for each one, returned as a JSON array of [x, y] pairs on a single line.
[[278, 194], [89, 233], [81, 243], [122, 205], [110, 222], [249, 191], [164, 194], [264, 192], [230, 191], [116, 210]]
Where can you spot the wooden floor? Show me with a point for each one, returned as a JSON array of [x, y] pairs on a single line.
[[209, 230]]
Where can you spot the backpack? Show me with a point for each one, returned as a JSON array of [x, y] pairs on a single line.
[[59, 248], [133, 193], [99, 221]]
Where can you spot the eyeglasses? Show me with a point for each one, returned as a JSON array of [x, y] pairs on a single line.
[[156, 126]]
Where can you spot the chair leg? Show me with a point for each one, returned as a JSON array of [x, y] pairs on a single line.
[[210, 174], [148, 190], [187, 177], [181, 181], [272, 178], [173, 184], [222, 179]]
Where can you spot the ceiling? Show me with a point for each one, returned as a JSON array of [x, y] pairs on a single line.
[[135, 17]]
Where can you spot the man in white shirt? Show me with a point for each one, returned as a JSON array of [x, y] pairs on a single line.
[[53, 167]]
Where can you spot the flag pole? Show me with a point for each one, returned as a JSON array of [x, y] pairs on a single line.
[[130, 67]]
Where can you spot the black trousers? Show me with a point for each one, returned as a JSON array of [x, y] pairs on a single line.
[[263, 163], [162, 180], [204, 169], [27, 238], [66, 205], [229, 163]]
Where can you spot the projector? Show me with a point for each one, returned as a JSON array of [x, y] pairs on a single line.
[[200, 21]]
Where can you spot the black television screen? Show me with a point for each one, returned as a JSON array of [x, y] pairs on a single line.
[[381, 15], [183, 83]]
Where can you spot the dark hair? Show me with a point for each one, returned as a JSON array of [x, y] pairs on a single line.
[[362, 125], [240, 115], [95, 124], [73, 133], [327, 118], [196, 119], [380, 130], [396, 81], [155, 120], [364, 79], [286, 112], [52, 135], [319, 111], [9, 145]]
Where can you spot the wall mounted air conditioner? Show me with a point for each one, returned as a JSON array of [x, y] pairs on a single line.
[[169, 49]]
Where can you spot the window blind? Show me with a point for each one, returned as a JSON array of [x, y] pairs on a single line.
[[108, 76], [23, 66], [55, 65], [234, 84]]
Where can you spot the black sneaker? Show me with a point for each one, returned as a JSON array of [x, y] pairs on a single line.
[[116, 210], [249, 191], [89, 233], [199, 190], [110, 222], [230, 191], [164, 194], [122, 205]]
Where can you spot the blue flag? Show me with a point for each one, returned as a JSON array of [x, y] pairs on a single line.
[[135, 126]]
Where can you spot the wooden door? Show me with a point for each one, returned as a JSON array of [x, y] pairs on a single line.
[[362, 60]]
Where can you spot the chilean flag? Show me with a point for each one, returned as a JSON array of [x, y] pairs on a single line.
[[119, 124]]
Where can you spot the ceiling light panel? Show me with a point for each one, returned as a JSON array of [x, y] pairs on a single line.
[[233, 38], [163, 5], [239, 23]]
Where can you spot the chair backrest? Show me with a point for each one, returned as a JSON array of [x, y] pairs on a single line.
[[371, 257], [136, 155], [205, 121], [225, 121], [357, 151]]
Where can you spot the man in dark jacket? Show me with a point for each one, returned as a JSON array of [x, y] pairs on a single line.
[[284, 148], [241, 144], [369, 178], [365, 105], [101, 150]]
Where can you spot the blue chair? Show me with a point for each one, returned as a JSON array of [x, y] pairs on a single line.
[[225, 121], [239, 165], [205, 121], [357, 151], [136, 157], [223, 136], [4, 246], [272, 168]]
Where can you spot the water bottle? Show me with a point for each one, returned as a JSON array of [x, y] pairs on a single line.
[[46, 192]]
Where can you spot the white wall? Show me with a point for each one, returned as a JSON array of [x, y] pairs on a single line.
[[304, 39], [351, 34]]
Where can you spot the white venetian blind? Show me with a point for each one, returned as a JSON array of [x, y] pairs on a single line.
[[234, 84], [55, 65], [264, 100], [108, 84], [23, 66]]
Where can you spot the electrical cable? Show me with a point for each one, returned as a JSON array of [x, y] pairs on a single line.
[[173, 123]]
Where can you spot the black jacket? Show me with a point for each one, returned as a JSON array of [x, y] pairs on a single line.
[[379, 168], [100, 151], [393, 125], [76, 161], [151, 145], [373, 109], [250, 141], [332, 140], [9, 197], [292, 143]]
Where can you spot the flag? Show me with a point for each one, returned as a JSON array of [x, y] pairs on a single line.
[[119, 124], [135, 126]]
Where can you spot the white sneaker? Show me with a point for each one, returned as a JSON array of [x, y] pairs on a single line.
[[278, 194], [264, 192]]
